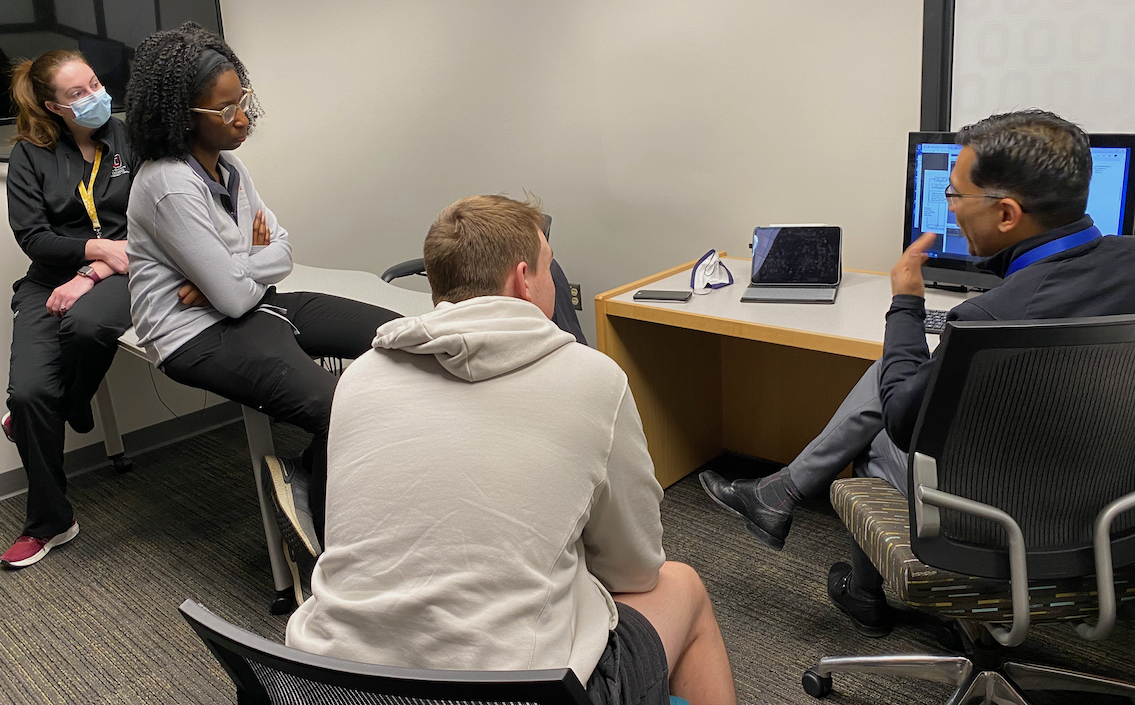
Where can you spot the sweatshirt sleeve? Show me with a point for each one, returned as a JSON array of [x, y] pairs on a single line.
[[269, 264], [196, 249], [27, 214], [623, 536]]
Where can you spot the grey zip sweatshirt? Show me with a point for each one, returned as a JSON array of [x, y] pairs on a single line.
[[181, 231]]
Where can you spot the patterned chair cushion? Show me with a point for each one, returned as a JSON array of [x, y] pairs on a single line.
[[879, 519]]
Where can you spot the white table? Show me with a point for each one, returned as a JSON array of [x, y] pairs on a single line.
[[361, 286]]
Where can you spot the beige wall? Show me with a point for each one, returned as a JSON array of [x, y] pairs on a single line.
[[652, 129]]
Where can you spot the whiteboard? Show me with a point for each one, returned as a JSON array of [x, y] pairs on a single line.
[[1073, 57]]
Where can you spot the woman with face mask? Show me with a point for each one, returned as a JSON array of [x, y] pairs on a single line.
[[68, 187]]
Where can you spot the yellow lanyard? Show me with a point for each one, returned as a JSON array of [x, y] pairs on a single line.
[[87, 191]]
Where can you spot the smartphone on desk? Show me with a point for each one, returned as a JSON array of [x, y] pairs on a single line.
[[658, 295]]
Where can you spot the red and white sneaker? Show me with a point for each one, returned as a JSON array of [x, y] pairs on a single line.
[[28, 550], [7, 424]]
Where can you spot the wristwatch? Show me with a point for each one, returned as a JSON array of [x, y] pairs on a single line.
[[89, 272]]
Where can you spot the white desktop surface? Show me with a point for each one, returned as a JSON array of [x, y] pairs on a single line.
[[859, 311]]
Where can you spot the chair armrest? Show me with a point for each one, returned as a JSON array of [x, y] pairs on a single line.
[[1105, 575], [404, 269], [1018, 562]]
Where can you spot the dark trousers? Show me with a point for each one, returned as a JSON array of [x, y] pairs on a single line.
[[854, 435], [57, 364], [261, 361]]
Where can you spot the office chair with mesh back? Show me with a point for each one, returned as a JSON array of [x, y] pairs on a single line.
[[268, 673], [1022, 489], [564, 315]]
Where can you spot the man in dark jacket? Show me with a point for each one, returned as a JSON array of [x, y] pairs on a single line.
[[1019, 190]]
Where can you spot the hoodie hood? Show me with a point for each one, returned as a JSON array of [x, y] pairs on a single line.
[[477, 339]]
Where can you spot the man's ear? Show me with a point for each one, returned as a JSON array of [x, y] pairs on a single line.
[[516, 284], [1011, 214]]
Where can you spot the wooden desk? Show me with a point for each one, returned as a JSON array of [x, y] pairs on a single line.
[[761, 379]]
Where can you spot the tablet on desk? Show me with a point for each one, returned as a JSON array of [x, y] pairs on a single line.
[[796, 264]]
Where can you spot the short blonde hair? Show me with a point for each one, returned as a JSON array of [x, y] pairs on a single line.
[[476, 242]]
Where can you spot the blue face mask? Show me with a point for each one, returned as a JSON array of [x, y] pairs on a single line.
[[93, 110]]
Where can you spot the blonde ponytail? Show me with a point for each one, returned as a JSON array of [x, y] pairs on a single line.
[[33, 83]]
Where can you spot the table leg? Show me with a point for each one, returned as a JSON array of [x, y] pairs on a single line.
[[111, 436], [258, 428]]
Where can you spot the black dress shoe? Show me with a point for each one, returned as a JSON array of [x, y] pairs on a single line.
[[871, 616], [769, 526]]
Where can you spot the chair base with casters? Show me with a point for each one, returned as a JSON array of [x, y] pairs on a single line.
[[990, 684], [878, 517]]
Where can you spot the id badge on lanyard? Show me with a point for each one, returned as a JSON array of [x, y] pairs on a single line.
[[87, 192]]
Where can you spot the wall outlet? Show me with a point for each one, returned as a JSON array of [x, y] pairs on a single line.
[[576, 296]]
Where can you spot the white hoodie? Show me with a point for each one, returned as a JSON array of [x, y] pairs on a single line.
[[488, 487]]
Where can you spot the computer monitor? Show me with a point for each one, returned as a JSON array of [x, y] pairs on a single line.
[[931, 157]]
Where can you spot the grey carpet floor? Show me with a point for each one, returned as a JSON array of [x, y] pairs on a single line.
[[97, 621]]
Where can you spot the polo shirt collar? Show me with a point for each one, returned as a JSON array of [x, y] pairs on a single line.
[[228, 192]]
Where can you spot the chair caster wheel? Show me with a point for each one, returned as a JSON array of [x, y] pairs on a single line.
[[284, 602], [122, 463], [950, 638], [816, 685]]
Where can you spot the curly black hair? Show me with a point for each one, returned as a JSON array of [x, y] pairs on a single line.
[[161, 89]]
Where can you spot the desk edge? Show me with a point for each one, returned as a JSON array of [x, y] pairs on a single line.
[[791, 337]]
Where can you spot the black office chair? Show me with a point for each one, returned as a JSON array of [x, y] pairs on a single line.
[[1022, 489], [267, 673], [564, 315]]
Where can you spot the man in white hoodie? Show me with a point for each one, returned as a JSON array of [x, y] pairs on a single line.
[[491, 504]]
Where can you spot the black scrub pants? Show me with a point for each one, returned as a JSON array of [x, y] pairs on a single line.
[[265, 362], [57, 364]]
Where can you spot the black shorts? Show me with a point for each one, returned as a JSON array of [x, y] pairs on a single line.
[[632, 669]]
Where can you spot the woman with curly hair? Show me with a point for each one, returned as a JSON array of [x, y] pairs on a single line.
[[205, 251], [68, 187]]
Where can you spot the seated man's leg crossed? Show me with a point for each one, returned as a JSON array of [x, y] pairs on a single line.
[[491, 504]]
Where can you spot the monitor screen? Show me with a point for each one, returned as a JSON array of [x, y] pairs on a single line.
[[796, 255], [931, 157]]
